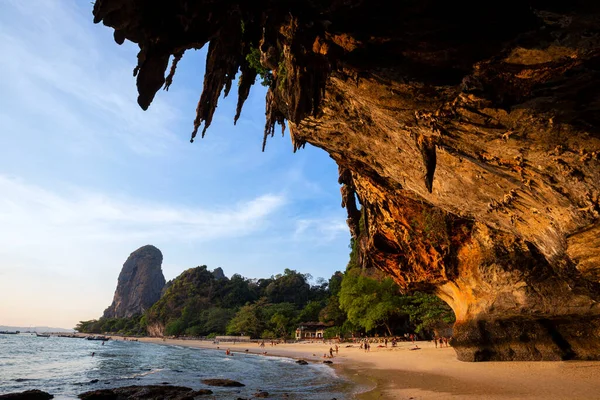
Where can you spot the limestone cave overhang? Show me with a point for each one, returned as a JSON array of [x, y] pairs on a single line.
[[467, 137]]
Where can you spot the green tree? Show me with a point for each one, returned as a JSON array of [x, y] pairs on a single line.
[[335, 283], [332, 313], [280, 324], [175, 327], [216, 320], [248, 320], [310, 312], [370, 302], [428, 312], [291, 287]]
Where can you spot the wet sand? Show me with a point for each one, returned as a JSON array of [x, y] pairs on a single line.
[[430, 373]]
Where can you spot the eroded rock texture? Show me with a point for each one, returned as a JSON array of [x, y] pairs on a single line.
[[150, 392], [140, 283], [469, 134]]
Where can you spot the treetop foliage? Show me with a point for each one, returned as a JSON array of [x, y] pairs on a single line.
[[355, 302]]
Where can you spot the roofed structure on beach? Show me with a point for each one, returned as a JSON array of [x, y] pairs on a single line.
[[311, 331]]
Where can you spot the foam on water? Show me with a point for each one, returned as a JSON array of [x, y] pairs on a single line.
[[65, 367]]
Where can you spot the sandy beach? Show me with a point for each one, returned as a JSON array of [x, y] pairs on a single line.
[[430, 373]]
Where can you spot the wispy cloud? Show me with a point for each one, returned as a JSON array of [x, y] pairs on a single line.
[[321, 230], [58, 67], [86, 176], [30, 214]]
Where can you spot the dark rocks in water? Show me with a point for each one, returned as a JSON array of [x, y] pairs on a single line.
[[301, 362], [151, 392], [327, 362], [222, 382], [27, 395], [218, 273], [94, 381], [262, 395], [140, 283]]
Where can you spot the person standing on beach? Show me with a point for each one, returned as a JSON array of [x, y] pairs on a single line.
[[435, 339], [331, 352], [336, 349]]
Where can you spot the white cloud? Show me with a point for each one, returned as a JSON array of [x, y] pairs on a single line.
[[322, 230], [30, 214], [60, 72], [69, 116]]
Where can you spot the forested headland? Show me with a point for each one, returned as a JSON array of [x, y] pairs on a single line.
[[358, 301]]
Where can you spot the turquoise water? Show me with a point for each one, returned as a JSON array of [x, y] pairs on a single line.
[[64, 367]]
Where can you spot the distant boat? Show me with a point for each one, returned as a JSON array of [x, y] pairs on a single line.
[[9, 333], [41, 335]]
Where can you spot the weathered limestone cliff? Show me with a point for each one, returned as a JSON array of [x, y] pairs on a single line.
[[140, 283], [469, 134]]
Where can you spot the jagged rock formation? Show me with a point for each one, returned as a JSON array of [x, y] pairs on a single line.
[[140, 283], [218, 273], [469, 134]]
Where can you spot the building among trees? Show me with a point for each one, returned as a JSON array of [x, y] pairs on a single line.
[[311, 331]]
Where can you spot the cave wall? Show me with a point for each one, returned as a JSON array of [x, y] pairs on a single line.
[[469, 134]]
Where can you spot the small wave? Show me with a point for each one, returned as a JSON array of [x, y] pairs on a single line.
[[140, 374], [24, 379]]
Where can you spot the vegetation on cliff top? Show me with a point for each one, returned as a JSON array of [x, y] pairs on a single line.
[[359, 301]]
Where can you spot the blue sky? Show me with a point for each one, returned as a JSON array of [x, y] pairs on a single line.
[[87, 177]]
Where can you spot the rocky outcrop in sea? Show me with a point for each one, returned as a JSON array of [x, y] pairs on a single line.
[[139, 285]]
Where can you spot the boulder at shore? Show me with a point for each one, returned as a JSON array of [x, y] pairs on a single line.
[[27, 395], [222, 382], [151, 392]]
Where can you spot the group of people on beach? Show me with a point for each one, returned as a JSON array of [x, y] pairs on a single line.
[[364, 344]]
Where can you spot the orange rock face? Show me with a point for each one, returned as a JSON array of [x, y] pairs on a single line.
[[469, 134]]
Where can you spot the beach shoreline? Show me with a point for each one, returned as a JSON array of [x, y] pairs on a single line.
[[428, 373]]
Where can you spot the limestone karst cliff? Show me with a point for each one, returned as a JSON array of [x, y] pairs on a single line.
[[468, 132], [139, 285]]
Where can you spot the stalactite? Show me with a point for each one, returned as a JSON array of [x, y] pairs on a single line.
[[222, 61], [247, 78], [151, 75], [348, 192], [176, 57], [273, 117], [232, 30], [492, 99]]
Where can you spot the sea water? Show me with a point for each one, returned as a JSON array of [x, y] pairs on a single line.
[[65, 368]]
